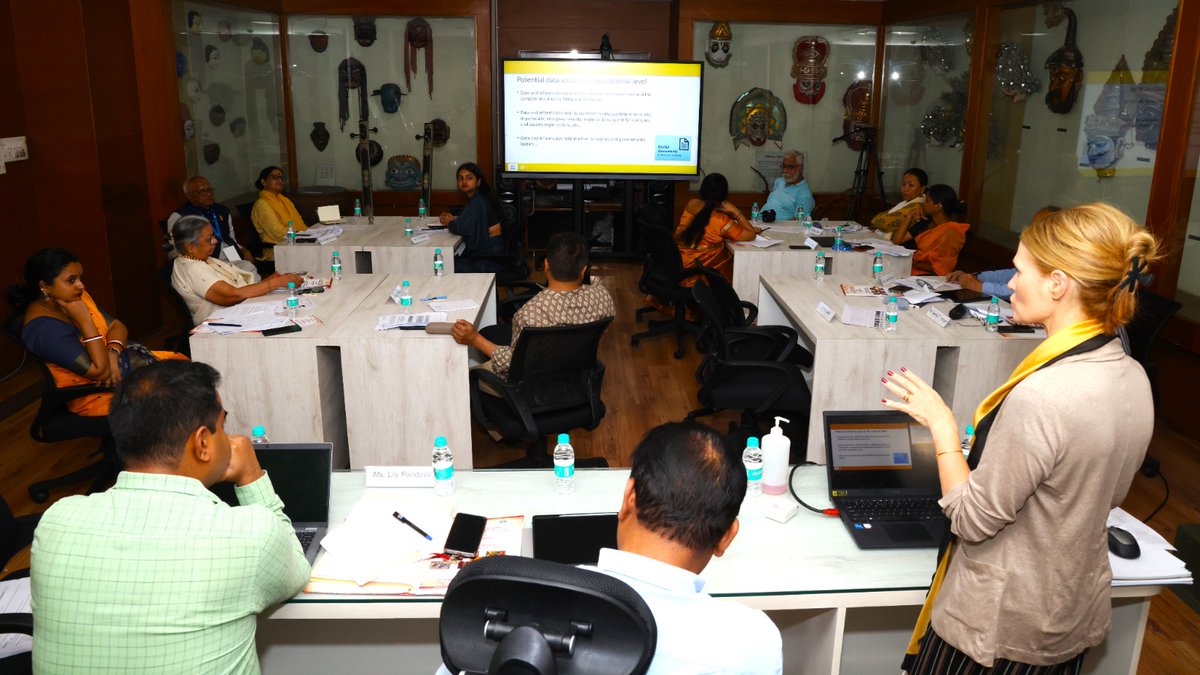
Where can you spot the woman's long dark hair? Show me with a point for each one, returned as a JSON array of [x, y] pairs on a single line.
[[483, 189], [945, 196], [714, 189], [43, 266], [262, 176]]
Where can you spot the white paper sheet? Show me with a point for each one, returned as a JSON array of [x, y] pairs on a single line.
[[453, 305], [14, 599], [419, 319]]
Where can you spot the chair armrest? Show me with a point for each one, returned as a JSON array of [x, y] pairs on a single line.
[[689, 272], [758, 344], [781, 375], [508, 393], [749, 310], [16, 622]]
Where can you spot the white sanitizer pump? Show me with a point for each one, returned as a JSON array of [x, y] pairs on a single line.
[[776, 448]]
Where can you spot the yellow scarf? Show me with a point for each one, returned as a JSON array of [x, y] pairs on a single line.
[[283, 209], [1050, 348]]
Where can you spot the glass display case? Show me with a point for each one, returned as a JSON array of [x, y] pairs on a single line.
[[810, 79], [926, 68], [231, 94], [382, 68], [1090, 131], [1188, 290]]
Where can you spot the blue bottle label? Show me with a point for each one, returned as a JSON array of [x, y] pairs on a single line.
[[892, 318], [754, 474], [444, 474], [564, 470]]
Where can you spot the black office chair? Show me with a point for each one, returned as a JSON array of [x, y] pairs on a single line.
[[1138, 336], [55, 423], [511, 615], [181, 342], [15, 534], [553, 386], [249, 237], [509, 266], [662, 272], [729, 328]]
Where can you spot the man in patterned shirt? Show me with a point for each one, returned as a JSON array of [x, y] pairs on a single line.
[[566, 301], [158, 575]]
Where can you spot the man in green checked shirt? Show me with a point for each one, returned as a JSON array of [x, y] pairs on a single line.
[[157, 575]]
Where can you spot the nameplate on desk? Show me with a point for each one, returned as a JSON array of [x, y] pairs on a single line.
[[938, 316], [420, 238], [824, 310], [808, 241], [886, 280], [398, 476], [397, 293]]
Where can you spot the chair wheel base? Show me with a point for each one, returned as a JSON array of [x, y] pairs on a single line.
[[633, 342], [679, 353], [39, 496]]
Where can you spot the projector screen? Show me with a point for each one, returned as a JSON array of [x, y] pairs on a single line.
[[594, 118]]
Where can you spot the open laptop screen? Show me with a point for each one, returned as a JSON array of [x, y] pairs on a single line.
[[300, 473], [878, 450]]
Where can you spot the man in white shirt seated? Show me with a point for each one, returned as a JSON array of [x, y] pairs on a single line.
[[679, 510]]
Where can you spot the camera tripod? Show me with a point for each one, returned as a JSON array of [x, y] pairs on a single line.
[[862, 177]]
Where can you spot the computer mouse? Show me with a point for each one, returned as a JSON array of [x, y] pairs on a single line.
[[958, 311], [1122, 543]]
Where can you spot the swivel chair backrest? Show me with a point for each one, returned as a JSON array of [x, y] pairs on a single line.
[[508, 614], [556, 365]]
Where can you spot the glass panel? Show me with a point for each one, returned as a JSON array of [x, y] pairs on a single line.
[[1102, 147], [231, 91], [440, 84], [926, 67], [1188, 291], [762, 56]]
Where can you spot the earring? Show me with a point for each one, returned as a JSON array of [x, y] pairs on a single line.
[[45, 294]]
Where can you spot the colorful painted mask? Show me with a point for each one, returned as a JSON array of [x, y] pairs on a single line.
[[856, 112], [389, 97], [259, 52], [403, 173], [1066, 71], [1112, 118], [319, 136], [180, 64], [1013, 75], [720, 44], [757, 116], [810, 53], [212, 57], [364, 30], [1153, 88], [319, 41], [418, 35], [195, 22]]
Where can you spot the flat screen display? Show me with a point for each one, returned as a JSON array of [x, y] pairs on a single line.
[[595, 118]]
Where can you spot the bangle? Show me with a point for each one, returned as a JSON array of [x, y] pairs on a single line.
[[115, 351], [116, 342], [949, 452], [93, 339]]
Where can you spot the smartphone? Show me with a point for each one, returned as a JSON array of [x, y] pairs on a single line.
[[465, 535], [281, 330], [1015, 329]]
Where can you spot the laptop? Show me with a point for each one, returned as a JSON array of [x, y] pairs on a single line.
[[330, 215], [883, 479], [301, 474], [573, 538]]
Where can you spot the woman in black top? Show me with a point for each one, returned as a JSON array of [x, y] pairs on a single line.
[[479, 222]]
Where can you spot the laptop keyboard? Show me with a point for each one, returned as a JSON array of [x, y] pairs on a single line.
[[887, 509], [306, 538]]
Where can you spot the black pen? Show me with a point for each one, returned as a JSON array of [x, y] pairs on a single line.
[[231, 325], [406, 521]]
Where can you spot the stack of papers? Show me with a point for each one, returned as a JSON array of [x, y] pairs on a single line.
[[452, 305], [248, 317], [760, 242], [886, 247], [322, 234], [1154, 566], [786, 229], [411, 320]]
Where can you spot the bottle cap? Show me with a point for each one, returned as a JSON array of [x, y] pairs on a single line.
[[891, 301], [335, 254], [970, 430], [291, 286], [995, 300], [258, 431], [405, 284], [439, 442], [820, 254], [289, 223], [437, 250], [752, 442], [564, 439]]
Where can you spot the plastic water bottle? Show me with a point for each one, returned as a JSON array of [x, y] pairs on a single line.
[[968, 438], [799, 214], [291, 234], [408, 228], [993, 315], [358, 208], [335, 265], [421, 207], [439, 264], [892, 315], [877, 268], [406, 297], [838, 243], [808, 222], [564, 466], [293, 301], [819, 269], [754, 212], [443, 468], [753, 459], [258, 436]]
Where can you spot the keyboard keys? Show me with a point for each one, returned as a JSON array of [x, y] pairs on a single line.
[[885, 509], [306, 538]]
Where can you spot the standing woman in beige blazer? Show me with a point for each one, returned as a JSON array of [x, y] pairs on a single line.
[[1023, 586]]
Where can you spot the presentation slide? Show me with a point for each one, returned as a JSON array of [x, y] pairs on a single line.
[[861, 447], [595, 117]]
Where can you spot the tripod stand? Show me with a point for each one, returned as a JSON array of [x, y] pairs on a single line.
[[866, 156]]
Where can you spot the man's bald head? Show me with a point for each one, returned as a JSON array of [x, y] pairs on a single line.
[[198, 191]]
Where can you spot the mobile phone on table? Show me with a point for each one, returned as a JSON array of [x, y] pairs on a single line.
[[293, 328], [465, 535], [1015, 329]]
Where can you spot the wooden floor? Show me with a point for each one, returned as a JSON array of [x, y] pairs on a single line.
[[646, 386]]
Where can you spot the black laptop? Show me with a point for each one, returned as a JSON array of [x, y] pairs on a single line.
[[883, 479], [301, 474], [573, 538]]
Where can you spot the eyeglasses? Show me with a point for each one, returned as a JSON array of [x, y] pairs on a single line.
[[202, 191], [785, 165], [277, 176]]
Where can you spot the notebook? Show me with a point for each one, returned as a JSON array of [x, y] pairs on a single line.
[[573, 538], [883, 479], [301, 474], [330, 215]]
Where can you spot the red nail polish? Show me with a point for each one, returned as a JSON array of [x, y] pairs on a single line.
[[891, 373], [884, 379], [883, 400], [904, 370]]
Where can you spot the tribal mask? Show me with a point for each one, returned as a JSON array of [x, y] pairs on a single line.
[[193, 90], [352, 74], [212, 152], [180, 64], [259, 52], [389, 97], [1013, 75], [403, 172], [212, 57], [441, 132], [216, 115], [374, 153], [1066, 71], [418, 35], [720, 44], [224, 31], [1112, 118], [757, 116], [319, 41], [1153, 88], [238, 127], [810, 53], [856, 112], [364, 30]]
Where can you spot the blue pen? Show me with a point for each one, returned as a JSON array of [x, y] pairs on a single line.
[[406, 521], [432, 298]]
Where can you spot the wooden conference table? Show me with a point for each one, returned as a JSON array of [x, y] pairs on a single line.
[[379, 396], [963, 361], [751, 262], [378, 248], [840, 609]]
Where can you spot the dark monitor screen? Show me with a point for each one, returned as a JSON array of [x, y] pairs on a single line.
[[573, 538], [300, 474]]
